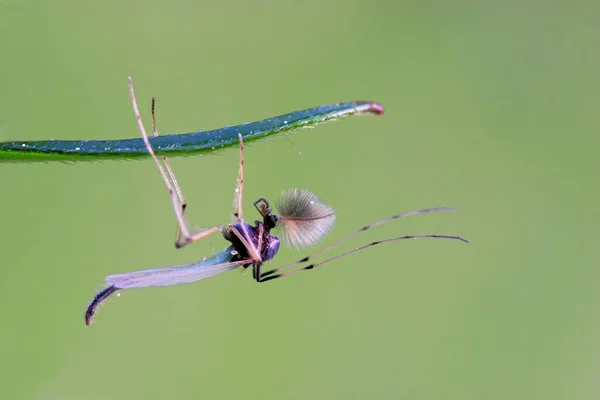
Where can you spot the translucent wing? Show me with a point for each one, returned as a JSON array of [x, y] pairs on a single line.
[[178, 274], [303, 217]]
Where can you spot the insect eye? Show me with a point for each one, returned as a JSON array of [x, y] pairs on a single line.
[[271, 221]]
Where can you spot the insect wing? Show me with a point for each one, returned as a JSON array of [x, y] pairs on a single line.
[[177, 275]]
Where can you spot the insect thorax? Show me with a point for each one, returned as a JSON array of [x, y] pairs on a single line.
[[270, 244]]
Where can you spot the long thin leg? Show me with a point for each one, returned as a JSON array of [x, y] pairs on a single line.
[[171, 174], [174, 200], [361, 230], [266, 278], [256, 268], [239, 188], [166, 162]]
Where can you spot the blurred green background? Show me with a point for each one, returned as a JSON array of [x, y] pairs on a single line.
[[490, 107]]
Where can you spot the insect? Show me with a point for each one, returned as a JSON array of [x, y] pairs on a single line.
[[303, 219]]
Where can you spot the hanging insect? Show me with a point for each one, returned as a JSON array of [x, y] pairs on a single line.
[[303, 218]]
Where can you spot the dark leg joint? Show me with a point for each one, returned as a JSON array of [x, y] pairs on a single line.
[[180, 243], [268, 273], [256, 272]]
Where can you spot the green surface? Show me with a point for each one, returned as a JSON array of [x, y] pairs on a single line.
[[181, 144], [491, 107]]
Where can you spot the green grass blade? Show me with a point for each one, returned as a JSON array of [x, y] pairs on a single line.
[[179, 144]]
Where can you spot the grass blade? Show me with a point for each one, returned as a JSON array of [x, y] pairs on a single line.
[[183, 144]]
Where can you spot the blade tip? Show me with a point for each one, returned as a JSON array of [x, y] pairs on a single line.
[[376, 109]]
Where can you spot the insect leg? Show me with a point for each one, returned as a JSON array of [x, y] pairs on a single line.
[[183, 236], [239, 188], [270, 276]]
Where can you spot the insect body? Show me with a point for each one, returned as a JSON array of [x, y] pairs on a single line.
[[303, 219]]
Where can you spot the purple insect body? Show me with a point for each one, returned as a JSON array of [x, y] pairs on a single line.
[[303, 220]]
